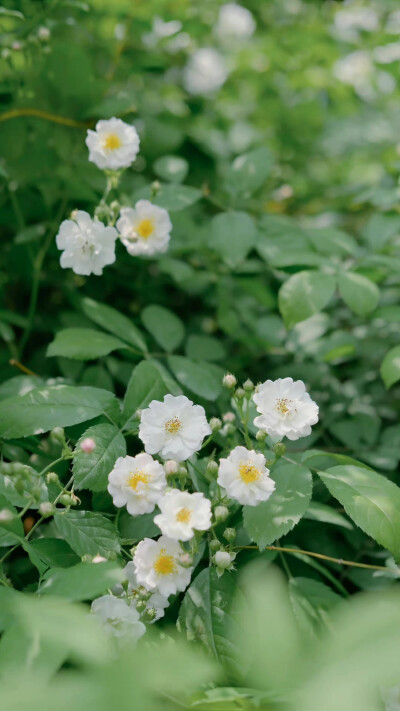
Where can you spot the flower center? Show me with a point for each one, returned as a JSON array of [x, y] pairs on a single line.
[[173, 425], [164, 564], [137, 477], [249, 473], [282, 406], [111, 142], [183, 515], [145, 228]]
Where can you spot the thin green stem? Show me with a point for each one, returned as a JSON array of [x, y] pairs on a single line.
[[321, 556]]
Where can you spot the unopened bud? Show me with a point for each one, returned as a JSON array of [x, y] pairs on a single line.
[[99, 559], [43, 33], [215, 424], [240, 393], [212, 468], [185, 560], [140, 605], [171, 467], [6, 516], [279, 449], [223, 559], [221, 513], [88, 445], [228, 429], [248, 386], [230, 534], [57, 435], [46, 509], [229, 417], [215, 545], [138, 414], [52, 478], [261, 436], [68, 500], [229, 381], [150, 614]]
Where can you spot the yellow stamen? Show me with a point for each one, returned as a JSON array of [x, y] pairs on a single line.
[[145, 228], [173, 425], [136, 478], [164, 564], [111, 142], [281, 406], [249, 473], [183, 515]]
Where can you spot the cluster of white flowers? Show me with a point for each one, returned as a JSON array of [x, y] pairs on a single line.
[[87, 244]]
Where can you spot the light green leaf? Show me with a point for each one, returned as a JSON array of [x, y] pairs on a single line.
[[249, 171], [84, 581], [83, 344], [170, 197], [146, 384], [56, 405], [371, 501], [91, 470], [113, 321], [359, 293], [304, 294], [233, 234], [30, 234], [390, 368], [326, 514], [88, 533], [329, 240], [274, 518], [312, 602], [166, 328], [203, 379], [174, 169], [204, 348]]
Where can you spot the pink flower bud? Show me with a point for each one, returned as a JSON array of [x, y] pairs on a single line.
[[88, 445]]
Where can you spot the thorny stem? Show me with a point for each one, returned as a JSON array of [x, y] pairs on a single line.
[[321, 556]]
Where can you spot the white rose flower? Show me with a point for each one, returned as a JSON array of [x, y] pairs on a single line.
[[285, 408], [157, 566], [137, 482], [144, 229], [87, 244], [118, 618], [205, 72], [113, 145], [174, 428], [245, 477], [235, 22], [155, 602], [183, 513]]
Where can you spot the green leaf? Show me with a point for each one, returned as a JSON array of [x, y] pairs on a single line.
[[371, 501], [91, 470], [55, 552], [29, 234], [312, 602], [390, 368], [359, 293], [113, 321], [304, 294], [135, 528], [88, 533], [206, 615], [9, 531], [249, 171], [204, 348], [83, 344], [84, 581], [233, 234], [146, 384], [326, 514], [329, 240], [203, 379], [171, 168], [166, 328], [274, 518], [56, 405], [170, 197]]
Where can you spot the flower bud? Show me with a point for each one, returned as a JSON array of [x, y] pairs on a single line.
[[215, 424], [141, 605], [240, 393], [279, 449], [88, 445], [229, 381], [215, 545], [46, 509], [261, 436], [223, 559], [57, 435], [185, 560], [230, 534], [43, 33], [212, 468], [6, 516], [138, 414], [150, 614], [171, 467], [228, 429], [52, 478], [99, 559], [229, 417], [221, 513], [68, 500], [248, 386]]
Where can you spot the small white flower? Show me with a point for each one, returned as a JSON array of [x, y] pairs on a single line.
[[205, 72], [137, 482], [174, 428], [118, 618], [245, 477], [183, 513], [235, 22], [87, 244], [157, 566], [155, 602], [113, 145], [285, 408], [144, 229]]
